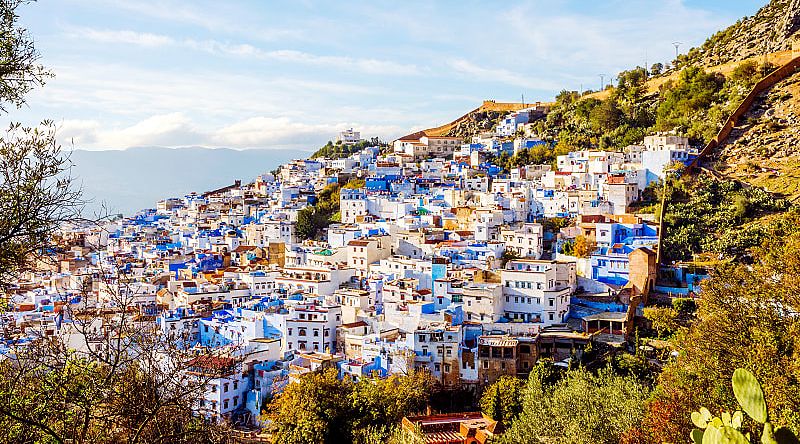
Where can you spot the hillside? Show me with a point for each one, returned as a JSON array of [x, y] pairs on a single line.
[[768, 30], [479, 119], [653, 84], [762, 151]]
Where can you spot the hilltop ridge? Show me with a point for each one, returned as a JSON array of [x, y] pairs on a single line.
[[769, 30]]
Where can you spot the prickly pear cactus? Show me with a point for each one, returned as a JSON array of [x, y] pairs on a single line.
[[724, 429], [749, 394]]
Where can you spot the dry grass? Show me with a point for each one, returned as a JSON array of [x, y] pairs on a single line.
[[776, 58]]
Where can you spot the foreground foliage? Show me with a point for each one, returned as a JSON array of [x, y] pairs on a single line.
[[320, 408], [80, 400], [745, 319], [580, 408], [726, 427]]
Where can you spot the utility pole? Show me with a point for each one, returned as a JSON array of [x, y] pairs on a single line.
[[602, 81]]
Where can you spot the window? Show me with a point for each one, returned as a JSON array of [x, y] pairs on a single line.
[[235, 385], [235, 401], [225, 388], [225, 404], [550, 316], [485, 364]]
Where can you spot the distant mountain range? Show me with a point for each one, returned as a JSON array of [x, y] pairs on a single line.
[[136, 178]]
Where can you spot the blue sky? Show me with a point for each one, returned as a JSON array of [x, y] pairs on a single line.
[[274, 74]]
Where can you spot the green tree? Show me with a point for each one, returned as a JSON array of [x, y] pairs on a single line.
[[20, 70], [379, 404], [656, 69], [321, 408], [745, 319], [502, 401], [663, 319], [36, 195], [581, 408], [312, 410]]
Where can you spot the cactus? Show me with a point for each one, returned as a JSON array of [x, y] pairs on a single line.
[[749, 395], [725, 428]]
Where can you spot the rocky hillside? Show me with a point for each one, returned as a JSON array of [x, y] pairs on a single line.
[[476, 122], [769, 30], [763, 151]]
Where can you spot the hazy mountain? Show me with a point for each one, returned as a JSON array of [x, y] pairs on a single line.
[[135, 178]]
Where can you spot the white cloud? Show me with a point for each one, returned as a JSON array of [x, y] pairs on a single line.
[[500, 75], [124, 36], [177, 129], [245, 50]]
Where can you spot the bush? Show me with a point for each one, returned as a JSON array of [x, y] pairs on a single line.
[[684, 305]]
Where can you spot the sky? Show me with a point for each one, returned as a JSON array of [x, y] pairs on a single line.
[[290, 74]]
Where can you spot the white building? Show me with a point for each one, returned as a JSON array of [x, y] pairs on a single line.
[[537, 291], [348, 136], [526, 241]]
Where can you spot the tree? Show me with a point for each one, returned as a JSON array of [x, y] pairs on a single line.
[[379, 404], [36, 196], [656, 69], [20, 71], [502, 401], [312, 410], [606, 117], [306, 226], [321, 408], [581, 408], [583, 246], [744, 320], [663, 319], [355, 184], [110, 378], [508, 255]]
